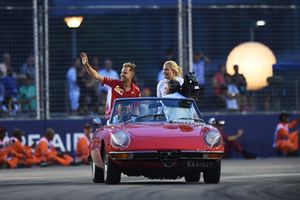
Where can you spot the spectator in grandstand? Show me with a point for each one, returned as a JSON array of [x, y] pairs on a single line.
[[240, 81], [171, 72], [273, 93], [10, 84], [28, 68], [84, 98], [27, 95], [231, 142], [109, 72], [10, 105], [199, 62], [285, 141], [231, 94], [82, 147], [169, 56], [123, 88], [96, 63], [46, 152], [73, 88], [1, 88], [6, 63], [218, 84]]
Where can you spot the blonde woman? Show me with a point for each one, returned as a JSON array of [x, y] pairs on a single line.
[[171, 71]]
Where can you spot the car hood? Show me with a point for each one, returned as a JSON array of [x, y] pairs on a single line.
[[166, 136], [164, 130]]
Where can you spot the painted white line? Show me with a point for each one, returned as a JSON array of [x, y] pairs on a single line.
[[260, 176]]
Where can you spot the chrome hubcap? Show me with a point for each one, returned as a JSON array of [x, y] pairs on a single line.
[[93, 170], [105, 167]]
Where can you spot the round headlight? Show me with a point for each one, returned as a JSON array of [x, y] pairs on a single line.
[[213, 138], [120, 139]]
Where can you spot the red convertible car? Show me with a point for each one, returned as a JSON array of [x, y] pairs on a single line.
[[159, 138]]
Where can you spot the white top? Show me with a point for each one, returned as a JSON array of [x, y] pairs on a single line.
[[232, 104], [175, 95], [5, 141], [160, 89]]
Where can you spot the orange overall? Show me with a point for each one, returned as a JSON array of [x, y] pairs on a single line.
[[3, 151], [46, 152], [20, 154], [285, 141], [82, 149]]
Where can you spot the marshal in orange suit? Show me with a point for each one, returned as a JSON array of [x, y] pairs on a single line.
[[286, 141], [19, 154], [46, 153], [82, 147]]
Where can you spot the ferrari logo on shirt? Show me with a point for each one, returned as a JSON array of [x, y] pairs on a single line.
[[119, 90]]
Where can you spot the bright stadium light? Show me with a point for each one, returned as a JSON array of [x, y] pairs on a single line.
[[253, 26], [260, 23], [255, 61], [73, 22]]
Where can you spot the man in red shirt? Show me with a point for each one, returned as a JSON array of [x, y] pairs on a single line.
[[123, 88]]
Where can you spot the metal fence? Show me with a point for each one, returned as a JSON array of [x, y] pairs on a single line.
[[146, 34]]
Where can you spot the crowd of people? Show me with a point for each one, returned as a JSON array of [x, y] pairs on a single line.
[[17, 88], [86, 95], [229, 90]]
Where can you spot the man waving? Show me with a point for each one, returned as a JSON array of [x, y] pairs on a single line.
[[123, 88]]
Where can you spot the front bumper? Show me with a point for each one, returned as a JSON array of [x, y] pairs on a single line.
[[165, 164], [165, 155]]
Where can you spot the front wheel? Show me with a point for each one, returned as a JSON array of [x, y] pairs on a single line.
[[112, 174], [213, 175], [97, 173]]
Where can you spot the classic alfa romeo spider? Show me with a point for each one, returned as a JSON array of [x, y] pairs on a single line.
[[159, 138]]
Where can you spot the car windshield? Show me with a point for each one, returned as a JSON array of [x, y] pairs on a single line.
[[133, 110]]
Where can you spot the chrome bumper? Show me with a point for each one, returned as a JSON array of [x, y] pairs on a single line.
[[172, 154]]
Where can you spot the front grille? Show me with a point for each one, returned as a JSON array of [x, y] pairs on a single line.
[[168, 158]]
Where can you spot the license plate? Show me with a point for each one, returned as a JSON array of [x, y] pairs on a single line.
[[198, 164]]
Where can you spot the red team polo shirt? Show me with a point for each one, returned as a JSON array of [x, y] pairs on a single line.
[[116, 90]]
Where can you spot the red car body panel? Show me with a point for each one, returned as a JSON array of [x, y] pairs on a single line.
[[156, 136]]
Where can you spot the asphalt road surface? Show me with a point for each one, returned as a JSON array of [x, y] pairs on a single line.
[[241, 179]]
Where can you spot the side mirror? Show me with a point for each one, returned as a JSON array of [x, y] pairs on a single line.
[[97, 122], [221, 122], [212, 121]]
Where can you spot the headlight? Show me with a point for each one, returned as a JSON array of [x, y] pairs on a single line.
[[120, 139], [213, 138]]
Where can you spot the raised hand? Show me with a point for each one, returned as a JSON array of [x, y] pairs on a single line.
[[84, 58]]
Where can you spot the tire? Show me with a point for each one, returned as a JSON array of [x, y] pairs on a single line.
[[192, 177], [97, 173], [112, 174], [213, 175]]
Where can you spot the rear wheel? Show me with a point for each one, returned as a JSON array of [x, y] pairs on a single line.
[[97, 173], [192, 177], [213, 175], [112, 174]]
